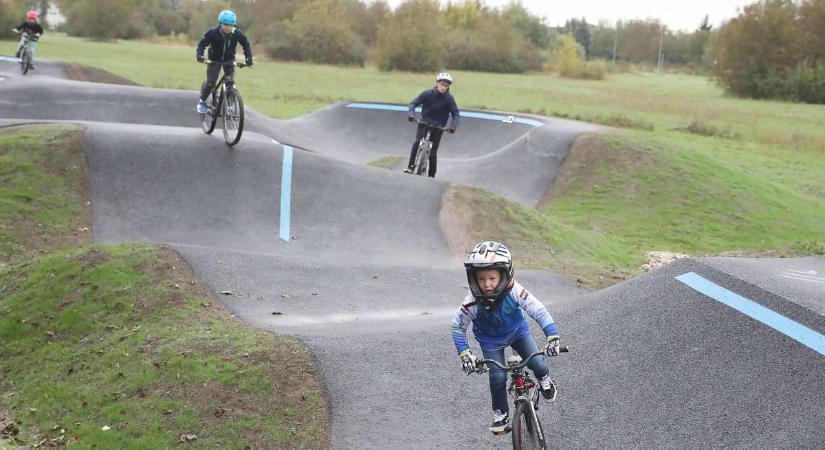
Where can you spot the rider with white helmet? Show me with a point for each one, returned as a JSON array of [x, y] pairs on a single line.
[[495, 306], [437, 105]]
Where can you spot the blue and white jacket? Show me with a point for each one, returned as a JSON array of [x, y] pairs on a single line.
[[500, 327]]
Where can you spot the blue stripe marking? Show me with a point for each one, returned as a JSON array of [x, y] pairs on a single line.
[[286, 187], [475, 115], [788, 327]]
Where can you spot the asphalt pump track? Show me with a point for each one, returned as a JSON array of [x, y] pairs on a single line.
[[691, 355]]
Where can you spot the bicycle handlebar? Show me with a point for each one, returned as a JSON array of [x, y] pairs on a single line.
[[28, 34], [510, 368], [237, 64], [436, 127]]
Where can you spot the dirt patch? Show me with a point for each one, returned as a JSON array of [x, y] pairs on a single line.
[[81, 72], [389, 162], [456, 218], [659, 259], [92, 258]]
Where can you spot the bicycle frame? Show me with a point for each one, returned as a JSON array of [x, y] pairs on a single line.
[[25, 52], [524, 392], [218, 106], [422, 159]]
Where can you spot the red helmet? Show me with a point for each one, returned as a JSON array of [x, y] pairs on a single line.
[[31, 14]]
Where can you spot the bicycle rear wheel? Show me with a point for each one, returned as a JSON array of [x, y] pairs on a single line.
[[25, 61], [422, 160], [209, 118], [232, 117], [527, 431]]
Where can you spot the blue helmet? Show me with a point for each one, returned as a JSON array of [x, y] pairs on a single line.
[[227, 17]]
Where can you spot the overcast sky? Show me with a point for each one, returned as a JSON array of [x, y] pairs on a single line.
[[683, 15]]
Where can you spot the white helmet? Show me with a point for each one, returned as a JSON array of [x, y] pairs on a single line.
[[444, 76], [490, 255]]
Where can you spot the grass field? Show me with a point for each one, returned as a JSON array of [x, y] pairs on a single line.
[[286, 90]]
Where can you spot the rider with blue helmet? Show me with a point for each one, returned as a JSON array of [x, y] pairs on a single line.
[[222, 41]]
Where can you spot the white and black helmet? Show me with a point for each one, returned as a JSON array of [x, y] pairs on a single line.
[[490, 255], [445, 77]]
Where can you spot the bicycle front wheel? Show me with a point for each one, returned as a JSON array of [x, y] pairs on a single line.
[[422, 164], [25, 61], [527, 431], [209, 118], [232, 117]]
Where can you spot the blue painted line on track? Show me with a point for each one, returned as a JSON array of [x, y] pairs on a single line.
[[784, 325], [475, 115], [286, 194]]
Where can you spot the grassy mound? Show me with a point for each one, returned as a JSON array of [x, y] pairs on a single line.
[[43, 190], [122, 347], [619, 196]]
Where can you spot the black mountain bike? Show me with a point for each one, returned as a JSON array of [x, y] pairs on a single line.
[[26, 58], [224, 101], [422, 157], [527, 431]]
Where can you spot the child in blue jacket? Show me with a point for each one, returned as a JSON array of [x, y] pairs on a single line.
[[495, 306]]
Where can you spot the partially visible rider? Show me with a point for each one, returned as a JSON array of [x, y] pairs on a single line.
[[495, 306], [437, 105], [222, 41], [34, 29]]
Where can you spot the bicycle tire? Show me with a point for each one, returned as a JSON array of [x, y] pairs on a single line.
[[209, 118], [25, 61], [233, 114], [422, 163], [527, 431]]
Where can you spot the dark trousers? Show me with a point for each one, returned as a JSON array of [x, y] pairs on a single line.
[[435, 137], [524, 346], [212, 73]]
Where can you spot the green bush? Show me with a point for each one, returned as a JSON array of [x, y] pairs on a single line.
[[587, 70], [491, 48], [807, 83], [411, 39], [317, 33]]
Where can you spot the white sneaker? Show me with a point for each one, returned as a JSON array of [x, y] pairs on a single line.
[[548, 388], [202, 107], [501, 422]]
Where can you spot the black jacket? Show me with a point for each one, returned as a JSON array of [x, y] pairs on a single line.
[[32, 28], [222, 46], [436, 107]]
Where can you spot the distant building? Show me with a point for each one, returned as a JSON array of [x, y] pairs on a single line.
[[53, 17]]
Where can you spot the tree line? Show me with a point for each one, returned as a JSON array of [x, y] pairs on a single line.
[[772, 49]]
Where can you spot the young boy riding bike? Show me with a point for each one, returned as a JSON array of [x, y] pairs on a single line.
[[495, 306], [35, 31], [222, 41], [437, 104]]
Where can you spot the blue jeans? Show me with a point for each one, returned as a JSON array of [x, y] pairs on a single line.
[[524, 346], [32, 46]]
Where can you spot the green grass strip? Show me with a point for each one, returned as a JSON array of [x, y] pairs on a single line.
[[121, 347]]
